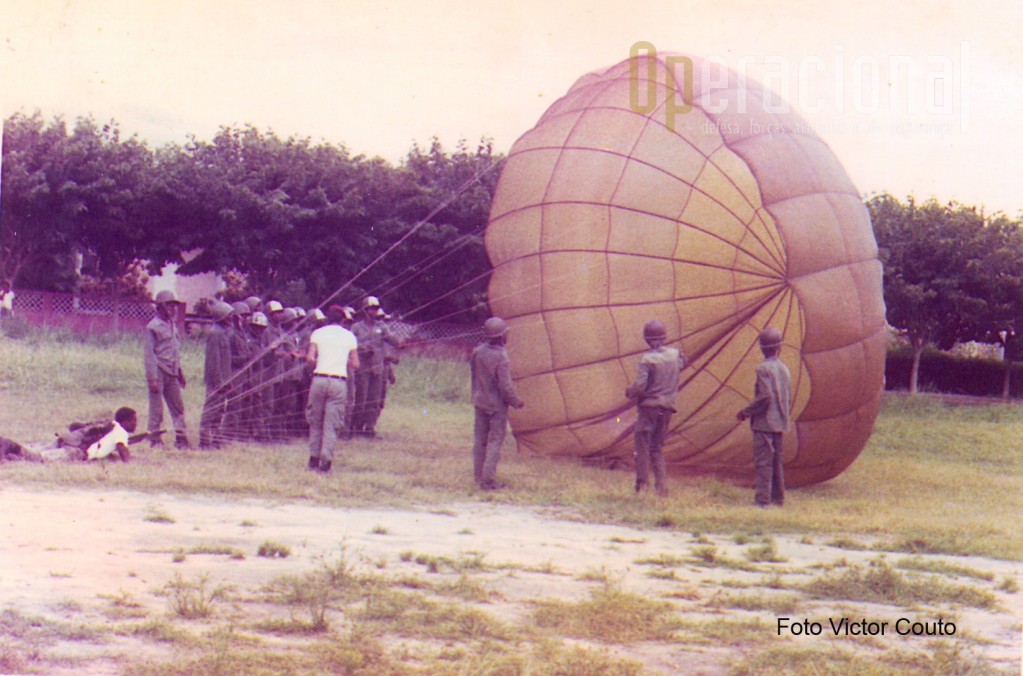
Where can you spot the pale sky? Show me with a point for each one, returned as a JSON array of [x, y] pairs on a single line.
[[377, 76]]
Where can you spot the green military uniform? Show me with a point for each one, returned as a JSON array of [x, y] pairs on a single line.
[[656, 391], [216, 376]]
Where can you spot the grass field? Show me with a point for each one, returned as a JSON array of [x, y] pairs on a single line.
[[932, 479]]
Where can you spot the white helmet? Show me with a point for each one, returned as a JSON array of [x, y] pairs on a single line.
[[259, 319]]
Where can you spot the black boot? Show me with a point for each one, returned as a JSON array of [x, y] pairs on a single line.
[[314, 463], [325, 467]]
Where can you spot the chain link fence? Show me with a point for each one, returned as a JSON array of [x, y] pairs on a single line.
[[82, 314], [103, 314]]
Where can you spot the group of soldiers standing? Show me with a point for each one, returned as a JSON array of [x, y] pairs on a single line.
[[257, 374]]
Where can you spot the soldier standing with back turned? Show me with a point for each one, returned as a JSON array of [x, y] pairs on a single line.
[[217, 376], [492, 394], [655, 391]]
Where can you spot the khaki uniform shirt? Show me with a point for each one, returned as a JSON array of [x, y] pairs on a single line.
[[161, 349], [218, 356], [492, 387], [657, 378], [373, 340], [769, 411]]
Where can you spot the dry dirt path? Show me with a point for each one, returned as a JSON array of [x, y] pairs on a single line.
[[68, 556]]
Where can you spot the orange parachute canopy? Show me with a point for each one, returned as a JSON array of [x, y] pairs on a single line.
[[617, 207]]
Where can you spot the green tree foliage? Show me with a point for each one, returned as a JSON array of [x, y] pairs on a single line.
[[441, 268], [950, 273], [301, 221], [310, 222], [69, 195]]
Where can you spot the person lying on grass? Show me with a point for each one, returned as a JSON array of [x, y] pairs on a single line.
[[82, 441]]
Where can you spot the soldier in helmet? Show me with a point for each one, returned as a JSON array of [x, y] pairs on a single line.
[[273, 369], [161, 351], [492, 393], [255, 304], [655, 391], [290, 404], [260, 386], [373, 338], [217, 377], [239, 402], [768, 414]]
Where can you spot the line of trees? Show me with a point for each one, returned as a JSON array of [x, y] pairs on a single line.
[[951, 274], [80, 208]]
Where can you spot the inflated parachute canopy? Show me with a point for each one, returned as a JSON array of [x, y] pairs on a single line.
[[719, 221]]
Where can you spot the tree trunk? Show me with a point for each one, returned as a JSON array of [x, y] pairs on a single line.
[[914, 373]]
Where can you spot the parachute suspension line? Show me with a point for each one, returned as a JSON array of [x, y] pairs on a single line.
[[401, 240], [438, 256], [252, 390]]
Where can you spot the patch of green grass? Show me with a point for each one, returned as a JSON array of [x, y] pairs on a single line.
[[546, 658], [37, 630], [687, 594], [610, 615], [942, 568], [413, 615], [942, 657], [662, 574], [194, 599], [293, 625], [155, 515], [217, 550], [792, 659], [123, 606], [273, 550], [1009, 585], [159, 630], [879, 582], [663, 560], [847, 543], [464, 562], [708, 556], [720, 631], [71, 606], [765, 553], [594, 575], [465, 588], [777, 604]]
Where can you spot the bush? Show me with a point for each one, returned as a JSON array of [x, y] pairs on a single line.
[[941, 372]]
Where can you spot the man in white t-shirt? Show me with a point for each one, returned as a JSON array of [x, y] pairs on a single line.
[[117, 439], [82, 441], [332, 352]]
